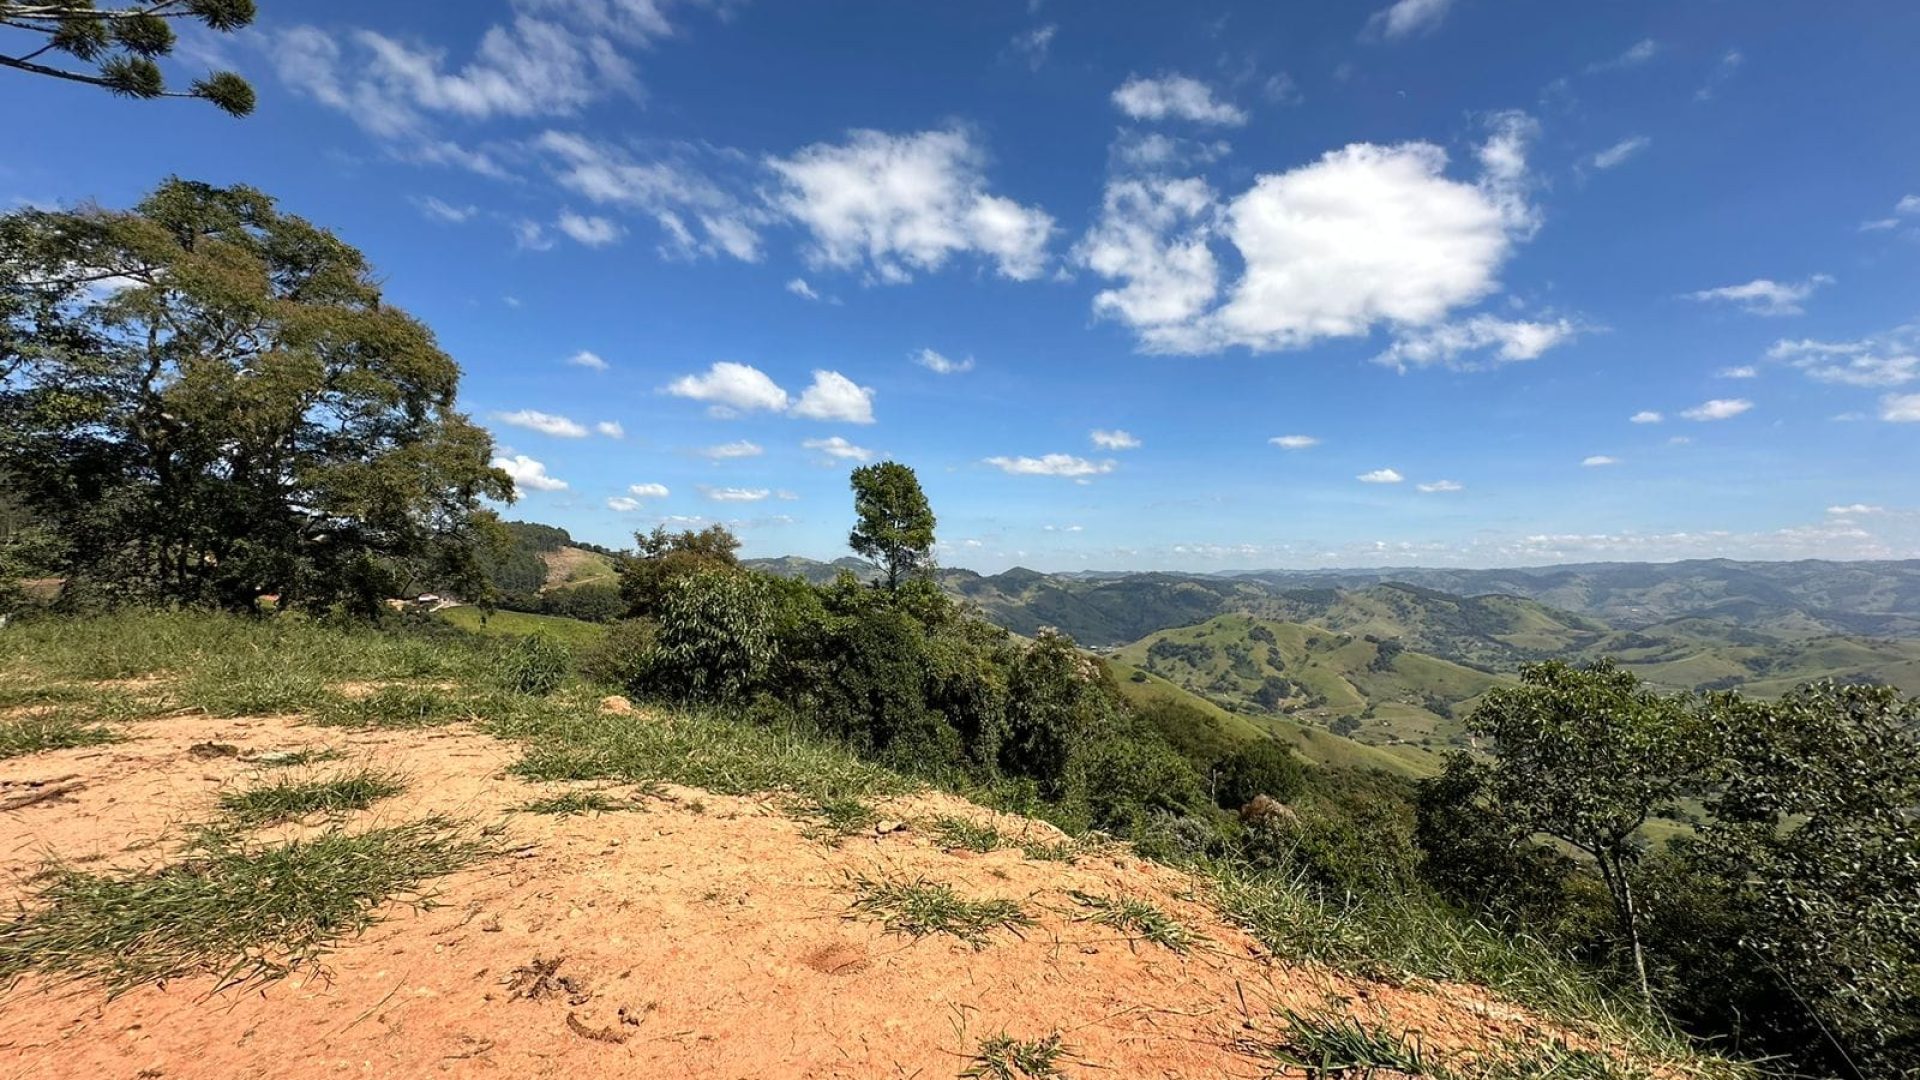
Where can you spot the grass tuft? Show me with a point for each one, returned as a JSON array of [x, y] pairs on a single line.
[[289, 800], [403, 707], [240, 912], [1334, 1046], [1063, 851], [571, 803], [33, 734], [920, 907], [836, 817], [967, 835], [288, 759], [1004, 1057], [1135, 918]]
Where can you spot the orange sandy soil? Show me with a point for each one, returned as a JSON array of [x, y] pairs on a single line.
[[698, 936]]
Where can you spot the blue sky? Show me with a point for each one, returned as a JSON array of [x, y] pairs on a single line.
[[1510, 282]]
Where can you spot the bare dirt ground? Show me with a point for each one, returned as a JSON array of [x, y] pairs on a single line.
[[696, 936]]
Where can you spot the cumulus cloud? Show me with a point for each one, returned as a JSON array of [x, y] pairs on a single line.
[[588, 359], [1763, 296], [734, 494], [1051, 465], [1114, 440], [1294, 442], [1453, 344], [611, 429], [1718, 409], [1619, 153], [728, 451], [1744, 371], [1597, 460], [941, 365], [623, 504], [833, 396], [1380, 476], [528, 474], [1891, 359], [731, 388], [590, 230], [1365, 235], [648, 491], [1900, 408], [839, 448], [800, 288], [1176, 97], [1855, 508], [1440, 486], [544, 423], [897, 205], [1645, 416], [1404, 18]]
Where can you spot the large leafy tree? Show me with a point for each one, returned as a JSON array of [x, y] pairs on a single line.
[[118, 47], [1588, 756], [895, 523], [208, 400], [662, 557]]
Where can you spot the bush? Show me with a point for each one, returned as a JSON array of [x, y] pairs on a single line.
[[1260, 768], [535, 664], [624, 657], [715, 641]]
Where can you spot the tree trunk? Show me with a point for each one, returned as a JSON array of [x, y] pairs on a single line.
[[1630, 917]]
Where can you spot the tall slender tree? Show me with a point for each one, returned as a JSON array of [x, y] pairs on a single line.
[[118, 47], [895, 523]]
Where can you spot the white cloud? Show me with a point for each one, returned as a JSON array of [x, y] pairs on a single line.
[[941, 365], [1114, 440], [1294, 442], [1441, 485], [544, 423], [1380, 476], [1718, 409], [1445, 343], [734, 494], [1900, 408], [1620, 152], [648, 491], [1366, 234], [588, 359], [800, 288], [1908, 204], [531, 236], [1407, 17], [839, 448], [698, 216], [1855, 508], [623, 504], [590, 230], [611, 429], [1885, 360], [728, 451], [1637, 54], [440, 210], [1880, 224], [1730, 62], [1645, 416], [731, 388], [1063, 528], [1175, 97], [1597, 460], [1051, 465], [901, 204], [528, 473], [833, 396], [1034, 44], [1744, 371], [1763, 296]]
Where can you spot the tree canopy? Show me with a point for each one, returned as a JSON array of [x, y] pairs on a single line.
[[895, 524], [117, 47], [207, 400]]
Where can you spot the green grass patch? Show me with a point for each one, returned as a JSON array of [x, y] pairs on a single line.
[[575, 633], [1135, 918], [835, 818], [396, 707], [951, 831], [1004, 1057], [572, 803], [569, 740], [33, 734], [290, 759], [290, 800], [920, 907], [1334, 1046], [240, 912]]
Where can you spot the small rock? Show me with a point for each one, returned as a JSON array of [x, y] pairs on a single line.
[[886, 827], [615, 705]]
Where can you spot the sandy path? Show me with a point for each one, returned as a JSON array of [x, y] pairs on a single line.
[[701, 936]]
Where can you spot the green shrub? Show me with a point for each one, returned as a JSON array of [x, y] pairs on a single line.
[[715, 639], [624, 657], [1259, 768], [535, 664]]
